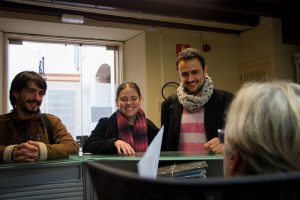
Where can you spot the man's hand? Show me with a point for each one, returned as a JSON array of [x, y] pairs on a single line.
[[123, 147], [26, 152], [214, 145]]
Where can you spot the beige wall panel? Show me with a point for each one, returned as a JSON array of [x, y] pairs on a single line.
[[1, 71], [135, 65], [283, 55], [169, 39], [222, 60], [256, 43], [265, 42], [154, 62], [65, 30]]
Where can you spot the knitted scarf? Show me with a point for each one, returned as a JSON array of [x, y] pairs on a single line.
[[137, 138], [193, 103]]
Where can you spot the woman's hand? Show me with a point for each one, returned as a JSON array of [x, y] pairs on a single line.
[[123, 147]]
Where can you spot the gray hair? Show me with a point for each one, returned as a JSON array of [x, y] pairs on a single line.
[[263, 127]]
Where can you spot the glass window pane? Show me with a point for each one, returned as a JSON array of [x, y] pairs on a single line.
[[98, 90], [80, 90]]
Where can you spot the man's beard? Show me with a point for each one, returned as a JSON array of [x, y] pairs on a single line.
[[30, 111], [26, 110]]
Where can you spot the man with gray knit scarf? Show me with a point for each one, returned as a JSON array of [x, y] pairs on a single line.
[[192, 117]]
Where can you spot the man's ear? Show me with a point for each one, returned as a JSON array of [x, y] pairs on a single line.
[[235, 163], [16, 94], [205, 70]]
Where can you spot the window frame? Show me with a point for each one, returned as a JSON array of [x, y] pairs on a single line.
[[14, 38]]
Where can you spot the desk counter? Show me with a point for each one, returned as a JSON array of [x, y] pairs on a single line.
[[69, 179]]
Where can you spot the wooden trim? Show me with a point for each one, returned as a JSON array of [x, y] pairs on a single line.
[[63, 77]]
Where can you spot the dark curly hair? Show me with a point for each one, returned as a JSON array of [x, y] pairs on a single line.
[[22, 80], [190, 53]]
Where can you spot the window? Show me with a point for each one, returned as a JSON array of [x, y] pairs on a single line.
[[81, 79]]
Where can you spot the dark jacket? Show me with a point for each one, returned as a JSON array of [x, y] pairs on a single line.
[[214, 117], [13, 132], [106, 132]]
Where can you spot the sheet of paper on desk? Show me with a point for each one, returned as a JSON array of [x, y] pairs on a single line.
[[148, 165]]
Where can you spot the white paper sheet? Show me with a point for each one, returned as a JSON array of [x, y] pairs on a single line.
[[148, 165]]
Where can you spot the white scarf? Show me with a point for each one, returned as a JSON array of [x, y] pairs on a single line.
[[194, 103]]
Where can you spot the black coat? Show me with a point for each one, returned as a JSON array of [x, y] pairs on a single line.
[[214, 117], [106, 132]]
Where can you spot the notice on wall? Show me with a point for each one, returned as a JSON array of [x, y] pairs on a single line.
[[181, 47]]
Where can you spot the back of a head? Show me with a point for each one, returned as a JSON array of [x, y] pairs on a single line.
[[263, 126], [103, 73], [112, 182]]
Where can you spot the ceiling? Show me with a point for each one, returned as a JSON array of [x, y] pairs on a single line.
[[227, 16]]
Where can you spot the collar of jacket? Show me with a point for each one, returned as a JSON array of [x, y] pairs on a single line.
[[14, 116]]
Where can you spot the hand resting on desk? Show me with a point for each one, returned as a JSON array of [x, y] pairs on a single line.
[[28, 152], [215, 146], [123, 147]]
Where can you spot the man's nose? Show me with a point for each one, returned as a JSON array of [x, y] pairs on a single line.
[[38, 96], [190, 77]]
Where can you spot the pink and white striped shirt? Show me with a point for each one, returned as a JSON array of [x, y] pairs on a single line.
[[192, 132]]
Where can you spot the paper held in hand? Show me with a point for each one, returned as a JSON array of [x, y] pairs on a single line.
[[148, 165]]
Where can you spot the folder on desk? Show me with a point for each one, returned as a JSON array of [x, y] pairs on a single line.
[[184, 170]]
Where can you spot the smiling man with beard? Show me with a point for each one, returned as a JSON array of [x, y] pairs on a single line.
[[23, 133], [192, 117]]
